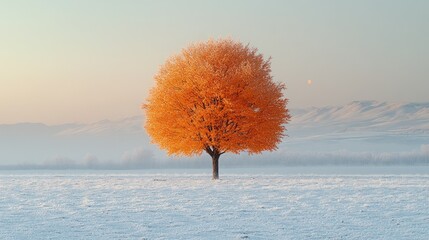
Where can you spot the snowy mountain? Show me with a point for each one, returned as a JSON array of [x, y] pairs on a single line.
[[371, 116], [132, 125], [361, 131]]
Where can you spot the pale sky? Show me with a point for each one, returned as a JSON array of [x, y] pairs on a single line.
[[85, 61]]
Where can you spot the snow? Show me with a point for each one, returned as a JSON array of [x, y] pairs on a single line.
[[360, 127], [139, 205], [369, 116]]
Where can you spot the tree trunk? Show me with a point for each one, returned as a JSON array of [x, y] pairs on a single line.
[[215, 164]]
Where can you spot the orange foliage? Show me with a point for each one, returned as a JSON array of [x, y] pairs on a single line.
[[217, 96]]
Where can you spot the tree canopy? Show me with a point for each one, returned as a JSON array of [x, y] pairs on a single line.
[[216, 96]]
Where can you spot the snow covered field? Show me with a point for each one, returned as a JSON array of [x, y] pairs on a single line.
[[109, 205]]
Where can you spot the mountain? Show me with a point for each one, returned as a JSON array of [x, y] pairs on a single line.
[[361, 131], [371, 116], [360, 126], [103, 141]]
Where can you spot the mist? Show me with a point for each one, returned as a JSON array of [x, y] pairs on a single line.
[[357, 134]]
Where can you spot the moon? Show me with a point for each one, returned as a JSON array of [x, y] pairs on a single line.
[[309, 82]]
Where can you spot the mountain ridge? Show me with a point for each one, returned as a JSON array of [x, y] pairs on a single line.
[[355, 130]]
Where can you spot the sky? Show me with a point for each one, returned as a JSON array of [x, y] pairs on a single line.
[[84, 61]]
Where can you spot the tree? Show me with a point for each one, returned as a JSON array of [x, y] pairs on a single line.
[[217, 96]]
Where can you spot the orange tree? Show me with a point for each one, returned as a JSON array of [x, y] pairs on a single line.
[[217, 96]]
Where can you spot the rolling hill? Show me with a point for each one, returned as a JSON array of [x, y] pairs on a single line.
[[359, 132]]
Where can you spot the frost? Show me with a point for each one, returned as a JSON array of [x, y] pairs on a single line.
[[97, 205]]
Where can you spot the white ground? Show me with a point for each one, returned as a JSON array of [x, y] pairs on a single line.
[[165, 206]]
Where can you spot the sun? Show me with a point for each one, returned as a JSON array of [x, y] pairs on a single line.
[[309, 82]]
